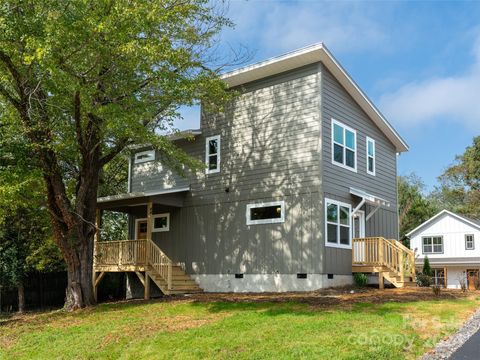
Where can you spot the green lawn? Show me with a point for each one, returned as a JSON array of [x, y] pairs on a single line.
[[241, 330]]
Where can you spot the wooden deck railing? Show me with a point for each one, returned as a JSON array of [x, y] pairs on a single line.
[[121, 252], [139, 253], [378, 251], [160, 263]]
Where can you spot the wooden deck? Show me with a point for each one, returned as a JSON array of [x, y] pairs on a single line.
[[147, 260], [389, 258]]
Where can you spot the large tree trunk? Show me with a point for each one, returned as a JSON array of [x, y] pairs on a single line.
[[21, 298]]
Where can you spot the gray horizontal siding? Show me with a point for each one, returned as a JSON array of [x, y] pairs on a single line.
[[339, 105]]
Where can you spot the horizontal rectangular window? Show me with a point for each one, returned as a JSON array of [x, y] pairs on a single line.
[[161, 222], [144, 156], [344, 146], [371, 156], [212, 154], [266, 213], [337, 220], [432, 244], [469, 242]]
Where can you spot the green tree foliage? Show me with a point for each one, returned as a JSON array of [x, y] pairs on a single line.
[[413, 206], [80, 80], [426, 270], [459, 189]]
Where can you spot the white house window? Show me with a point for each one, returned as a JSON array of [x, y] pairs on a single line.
[[144, 156], [371, 166], [266, 213], [438, 277], [344, 146], [432, 244], [212, 154], [337, 224], [469, 242], [161, 222]]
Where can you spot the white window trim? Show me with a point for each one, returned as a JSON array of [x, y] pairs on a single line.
[[374, 156], [473, 242], [151, 157], [433, 252], [136, 226], [155, 216], [338, 245], [207, 155], [354, 169], [281, 219]]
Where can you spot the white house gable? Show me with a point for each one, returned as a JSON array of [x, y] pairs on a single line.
[[445, 236]]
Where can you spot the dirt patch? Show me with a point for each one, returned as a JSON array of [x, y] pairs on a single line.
[[334, 297]]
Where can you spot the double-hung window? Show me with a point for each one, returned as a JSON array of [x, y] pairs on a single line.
[[432, 244], [469, 242], [337, 223], [344, 146], [212, 154], [371, 166]]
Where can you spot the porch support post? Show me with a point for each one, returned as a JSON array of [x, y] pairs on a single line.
[[445, 277], [381, 284], [149, 239], [96, 239]]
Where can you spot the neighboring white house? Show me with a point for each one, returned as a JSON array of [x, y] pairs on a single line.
[[452, 244]]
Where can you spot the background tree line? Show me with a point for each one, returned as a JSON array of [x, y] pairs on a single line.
[[458, 190]]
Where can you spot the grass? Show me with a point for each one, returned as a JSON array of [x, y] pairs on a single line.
[[234, 330]]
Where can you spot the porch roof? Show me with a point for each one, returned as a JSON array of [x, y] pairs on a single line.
[[450, 261], [122, 202]]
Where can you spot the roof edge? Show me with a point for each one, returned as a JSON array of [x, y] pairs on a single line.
[[444, 211]]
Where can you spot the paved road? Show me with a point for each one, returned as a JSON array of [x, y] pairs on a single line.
[[470, 350]]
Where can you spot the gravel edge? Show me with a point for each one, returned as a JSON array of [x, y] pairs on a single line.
[[445, 348]]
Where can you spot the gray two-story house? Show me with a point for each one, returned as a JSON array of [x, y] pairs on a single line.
[[299, 164]]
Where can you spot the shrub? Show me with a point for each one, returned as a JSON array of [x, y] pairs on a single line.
[[436, 290], [360, 279], [463, 284], [424, 280], [427, 270]]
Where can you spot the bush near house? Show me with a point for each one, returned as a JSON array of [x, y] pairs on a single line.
[[360, 279]]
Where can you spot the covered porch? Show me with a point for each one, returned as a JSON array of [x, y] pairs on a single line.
[[141, 255]]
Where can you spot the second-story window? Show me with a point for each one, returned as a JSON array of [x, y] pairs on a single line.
[[432, 244], [344, 146], [212, 154], [469, 242], [371, 166], [144, 156]]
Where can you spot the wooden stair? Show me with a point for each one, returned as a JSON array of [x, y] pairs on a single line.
[[392, 260], [181, 282], [170, 278]]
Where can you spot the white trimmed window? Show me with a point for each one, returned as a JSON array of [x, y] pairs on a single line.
[[469, 242], [371, 166], [432, 244], [338, 231], [144, 156], [161, 222], [266, 213], [212, 154], [344, 146]]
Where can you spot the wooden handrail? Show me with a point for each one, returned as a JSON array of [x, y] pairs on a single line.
[[378, 251], [120, 252], [160, 262]]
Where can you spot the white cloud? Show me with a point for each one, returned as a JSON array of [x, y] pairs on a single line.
[[455, 98]]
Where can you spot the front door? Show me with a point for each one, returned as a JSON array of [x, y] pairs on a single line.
[[472, 278], [141, 229], [359, 224]]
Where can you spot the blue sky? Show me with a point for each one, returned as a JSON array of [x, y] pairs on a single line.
[[418, 61]]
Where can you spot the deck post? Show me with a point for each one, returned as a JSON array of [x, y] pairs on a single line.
[[402, 268], [381, 284], [147, 286], [149, 238], [96, 239]]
